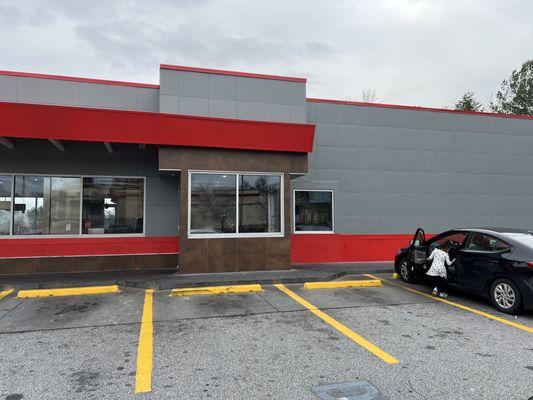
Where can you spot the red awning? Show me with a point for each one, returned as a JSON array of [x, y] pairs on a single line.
[[34, 121]]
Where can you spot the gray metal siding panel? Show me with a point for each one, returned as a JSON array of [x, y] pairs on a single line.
[[64, 92], [32, 90], [398, 169], [73, 93], [215, 95], [8, 88], [222, 108]]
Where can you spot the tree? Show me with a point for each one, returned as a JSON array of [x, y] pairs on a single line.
[[468, 103], [516, 93], [369, 96]]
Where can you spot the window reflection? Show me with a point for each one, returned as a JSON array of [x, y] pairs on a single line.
[[259, 203], [30, 215], [65, 206], [5, 204], [213, 203], [113, 205], [46, 205], [313, 211]]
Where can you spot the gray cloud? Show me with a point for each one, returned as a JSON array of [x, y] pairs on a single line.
[[423, 52]]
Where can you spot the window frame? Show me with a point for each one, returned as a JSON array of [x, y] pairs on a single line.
[[237, 234], [79, 234], [332, 231]]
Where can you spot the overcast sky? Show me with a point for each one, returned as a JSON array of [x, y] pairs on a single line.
[[415, 52]]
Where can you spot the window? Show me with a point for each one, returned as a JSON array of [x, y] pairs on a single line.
[[457, 237], [46, 205], [58, 205], [213, 203], [313, 211], [259, 203], [5, 204], [234, 204], [112, 205], [482, 242]]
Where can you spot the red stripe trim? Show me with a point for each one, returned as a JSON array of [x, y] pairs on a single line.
[[83, 246], [346, 248], [38, 121], [78, 79], [232, 73], [416, 108]]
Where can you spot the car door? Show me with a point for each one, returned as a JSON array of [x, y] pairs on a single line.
[[418, 252], [478, 260]]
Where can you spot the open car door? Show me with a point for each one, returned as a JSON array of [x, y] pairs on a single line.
[[418, 253]]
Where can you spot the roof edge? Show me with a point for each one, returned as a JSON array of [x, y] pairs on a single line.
[[232, 73], [417, 108], [79, 79]]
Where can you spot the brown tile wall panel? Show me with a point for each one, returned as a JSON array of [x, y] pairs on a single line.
[[232, 254], [86, 264]]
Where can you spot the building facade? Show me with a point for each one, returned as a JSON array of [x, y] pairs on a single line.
[[228, 171]]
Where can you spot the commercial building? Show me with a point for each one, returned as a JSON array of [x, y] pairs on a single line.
[[227, 171]]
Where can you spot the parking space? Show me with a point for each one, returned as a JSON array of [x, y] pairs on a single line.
[[265, 344]]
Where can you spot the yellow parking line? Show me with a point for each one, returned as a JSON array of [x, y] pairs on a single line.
[[461, 306], [340, 327], [75, 291], [216, 290], [143, 377], [4, 293], [342, 284]]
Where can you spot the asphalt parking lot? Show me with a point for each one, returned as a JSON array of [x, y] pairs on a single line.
[[278, 343]]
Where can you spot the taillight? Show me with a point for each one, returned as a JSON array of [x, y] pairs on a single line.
[[530, 265]]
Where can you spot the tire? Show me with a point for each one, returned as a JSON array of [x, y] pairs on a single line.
[[506, 296], [405, 272]]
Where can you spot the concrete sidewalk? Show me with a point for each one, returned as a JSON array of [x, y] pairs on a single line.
[[170, 279]]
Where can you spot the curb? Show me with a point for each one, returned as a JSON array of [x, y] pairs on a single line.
[[73, 291], [216, 290], [342, 284]]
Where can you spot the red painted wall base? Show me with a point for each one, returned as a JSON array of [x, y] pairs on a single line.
[[87, 246], [326, 248]]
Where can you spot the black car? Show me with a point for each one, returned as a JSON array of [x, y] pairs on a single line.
[[496, 263]]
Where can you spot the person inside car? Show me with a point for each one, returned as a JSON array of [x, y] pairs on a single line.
[[438, 271]]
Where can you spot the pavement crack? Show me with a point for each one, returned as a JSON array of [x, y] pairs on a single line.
[[16, 306]]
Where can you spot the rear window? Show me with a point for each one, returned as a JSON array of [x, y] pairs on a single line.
[[523, 238]]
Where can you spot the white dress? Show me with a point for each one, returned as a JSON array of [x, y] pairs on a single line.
[[438, 268]]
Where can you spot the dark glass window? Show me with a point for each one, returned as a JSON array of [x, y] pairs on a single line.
[[46, 205], [259, 203], [112, 205], [30, 216], [482, 242], [5, 204], [313, 211], [213, 203]]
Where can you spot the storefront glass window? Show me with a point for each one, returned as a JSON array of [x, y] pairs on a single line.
[[259, 203], [46, 205], [313, 211], [112, 205], [213, 203], [30, 215], [65, 206], [5, 204]]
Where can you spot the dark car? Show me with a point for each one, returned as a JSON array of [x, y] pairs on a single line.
[[496, 263]]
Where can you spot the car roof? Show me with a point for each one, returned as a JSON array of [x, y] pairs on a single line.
[[496, 230]]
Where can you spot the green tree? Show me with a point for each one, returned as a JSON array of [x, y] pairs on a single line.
[[516, 93], [468, 103]]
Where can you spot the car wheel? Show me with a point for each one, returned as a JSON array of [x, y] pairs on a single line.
[[505, 296], [406, 274]]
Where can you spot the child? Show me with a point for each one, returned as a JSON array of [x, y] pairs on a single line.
[[438, 269]]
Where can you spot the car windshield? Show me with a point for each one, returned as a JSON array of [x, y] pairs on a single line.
[[523, 238]]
